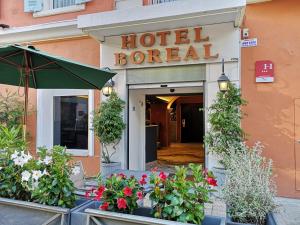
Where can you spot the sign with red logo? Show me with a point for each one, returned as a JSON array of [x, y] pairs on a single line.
[[264, 71]]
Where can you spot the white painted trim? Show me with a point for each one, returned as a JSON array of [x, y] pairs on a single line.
[[169, 15], [40, 32], [51, 12], [45, 118], [257, 1], [169, 85]]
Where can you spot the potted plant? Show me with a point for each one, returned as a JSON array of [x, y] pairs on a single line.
[[108, 126], [249, 188], [225, 132], [38, 189], [177, 199]]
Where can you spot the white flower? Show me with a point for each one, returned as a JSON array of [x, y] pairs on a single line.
[[35, 184], [15, 155], [47, 160], [45, 172], [76, 170], [1, 168], [26, 176], [36, 175]]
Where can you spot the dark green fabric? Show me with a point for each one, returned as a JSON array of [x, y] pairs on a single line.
[[59, 74]]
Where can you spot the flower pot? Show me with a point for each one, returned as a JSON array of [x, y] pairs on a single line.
[[270, 220], [15, 212], [109, 168], [89, 214], [220, 174]]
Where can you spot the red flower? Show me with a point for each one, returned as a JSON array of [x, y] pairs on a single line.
[[139, 195], [211, 181], [142, 181], [162, 176], [87, 194], [144, 176], [122, 175], [99, 193], [122, 204], [127, 191], [104, 206]]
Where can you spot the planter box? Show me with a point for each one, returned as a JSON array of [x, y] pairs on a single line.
[[270, 220], [109, 168], [90, 215], [15, 212]]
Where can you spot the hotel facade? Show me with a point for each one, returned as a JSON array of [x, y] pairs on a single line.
[[168, 57]]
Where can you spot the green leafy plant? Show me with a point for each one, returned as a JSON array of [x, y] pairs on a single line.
[[108, 124], [12, 166], [181, 198], [11, 110], [10, 138], [54, 186], [119, 193], [249, 189], [224, 117]]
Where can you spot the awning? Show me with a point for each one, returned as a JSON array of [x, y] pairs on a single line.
[[170, 15]]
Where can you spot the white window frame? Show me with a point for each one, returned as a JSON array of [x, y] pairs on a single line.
[[45, 118], [49, 11]]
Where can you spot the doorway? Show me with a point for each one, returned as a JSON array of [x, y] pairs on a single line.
[[166, 127]]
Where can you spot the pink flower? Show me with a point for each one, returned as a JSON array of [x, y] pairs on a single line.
[[211, 181], [162, 176], [127, 191], [104, 206], [154, 170], [122, 175], [122, 204], [142, 181], [87, 194], [99, 193], [139, 195], [144, 176]]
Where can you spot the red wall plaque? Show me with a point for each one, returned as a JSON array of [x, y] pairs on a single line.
[[264, 71]]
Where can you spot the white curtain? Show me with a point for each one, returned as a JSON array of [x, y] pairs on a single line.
[[62, 3]]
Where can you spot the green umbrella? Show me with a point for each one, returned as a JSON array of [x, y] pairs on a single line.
[[30, 68]]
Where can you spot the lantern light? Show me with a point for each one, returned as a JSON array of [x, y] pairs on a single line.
[[223, 80]]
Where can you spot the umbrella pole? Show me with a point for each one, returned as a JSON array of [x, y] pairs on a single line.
[[26, 87]]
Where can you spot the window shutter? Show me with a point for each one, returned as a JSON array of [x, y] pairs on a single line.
[[78, 2], [33, 5]]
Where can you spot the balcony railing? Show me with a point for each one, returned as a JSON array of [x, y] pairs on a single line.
[[154, 2]]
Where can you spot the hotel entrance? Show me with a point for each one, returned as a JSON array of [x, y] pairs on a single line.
[[174, 131], [166, 126]]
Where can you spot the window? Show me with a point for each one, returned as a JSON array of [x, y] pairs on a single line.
[[153, 2], [71, 122], [62, 3]]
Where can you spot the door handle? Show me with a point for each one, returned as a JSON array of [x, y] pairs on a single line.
[[183, 123]]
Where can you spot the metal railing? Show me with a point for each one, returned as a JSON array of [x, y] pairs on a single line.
[[154, 2]]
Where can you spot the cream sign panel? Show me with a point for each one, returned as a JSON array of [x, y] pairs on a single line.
[[191, 45]]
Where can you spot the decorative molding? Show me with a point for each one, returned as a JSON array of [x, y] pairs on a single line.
[[257, 1], [41, 32], [51, 12]]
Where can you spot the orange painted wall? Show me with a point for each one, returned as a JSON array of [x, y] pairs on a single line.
[[84, 50], [12, 12], [270, 109], [87, 51]]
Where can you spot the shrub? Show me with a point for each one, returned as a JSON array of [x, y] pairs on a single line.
[[44, 180], [55, 187], [11, 110], [224, 117], [249, 189], [180, 198], [108, 124], [119, 193], [10, 138]]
